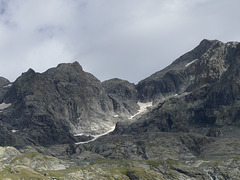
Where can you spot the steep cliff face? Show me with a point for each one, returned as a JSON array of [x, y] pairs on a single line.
[[200, 67], [201, 88], [4, 86], [123, 95], [50, 107]]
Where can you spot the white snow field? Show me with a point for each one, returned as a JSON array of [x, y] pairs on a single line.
[[143, 108]]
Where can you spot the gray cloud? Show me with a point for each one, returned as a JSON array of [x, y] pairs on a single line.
[[129, 39]]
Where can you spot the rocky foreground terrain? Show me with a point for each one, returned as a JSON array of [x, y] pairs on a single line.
[[180, 123]]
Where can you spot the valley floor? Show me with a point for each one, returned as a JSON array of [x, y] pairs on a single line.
[[162, 155]]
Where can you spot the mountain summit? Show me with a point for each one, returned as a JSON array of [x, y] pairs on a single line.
[[52, 107]]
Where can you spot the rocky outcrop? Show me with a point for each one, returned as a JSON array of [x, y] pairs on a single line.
[[4, 86], [8, 153], [51, 107], [6, 136], [40, 162], [201, 88], [4, 82], [123, 95], [200, 67]]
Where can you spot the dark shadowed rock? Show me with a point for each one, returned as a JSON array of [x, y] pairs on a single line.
[[4, 82], [6, 137], [4, 86], [50, 107], [123, 95]]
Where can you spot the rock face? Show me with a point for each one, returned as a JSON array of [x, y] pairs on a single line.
[[4, 82], [194, 119], [4, 86], [6, 136], [8, 152], [201, 88], [50, 107], [123, 95], [200, 67]]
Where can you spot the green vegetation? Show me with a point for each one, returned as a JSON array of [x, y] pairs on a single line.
[[21, 172]]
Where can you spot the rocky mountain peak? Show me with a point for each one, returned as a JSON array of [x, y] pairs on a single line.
[[3, 82], [72, 72], [30, 71], [206, 42], [70, 67], [51, 107], [191, 92], [203, 65]]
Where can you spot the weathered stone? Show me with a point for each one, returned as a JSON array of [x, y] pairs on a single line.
[[49, 108]]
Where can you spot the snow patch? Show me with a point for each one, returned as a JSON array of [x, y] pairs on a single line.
[[4, 106], [9, 85], [143, 108], [115, 116], [95, 136], [188, 64]]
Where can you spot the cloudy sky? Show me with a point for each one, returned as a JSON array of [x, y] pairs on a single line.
[[128, 39]]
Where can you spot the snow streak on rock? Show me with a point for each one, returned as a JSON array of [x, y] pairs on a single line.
[[4, 106], [95, 136], [14, 130], [9, 85], [188, 64]]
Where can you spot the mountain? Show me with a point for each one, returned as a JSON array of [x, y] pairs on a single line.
[[200, 67], [182, 122], [199, 89], [192, 130], [52, 107]]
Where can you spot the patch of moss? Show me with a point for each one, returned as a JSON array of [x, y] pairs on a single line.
[[61, 173], [21, 172]]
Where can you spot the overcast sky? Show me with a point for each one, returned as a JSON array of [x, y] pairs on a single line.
[[128, 39]]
